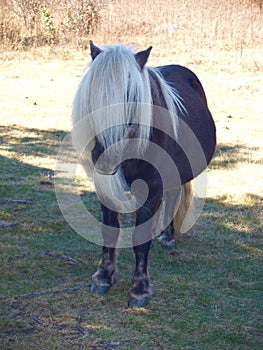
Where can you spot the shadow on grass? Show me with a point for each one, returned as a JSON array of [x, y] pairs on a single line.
[[27, 191], [29, 141], [14, 170], [210, 282], [227, 217], [227, 156]]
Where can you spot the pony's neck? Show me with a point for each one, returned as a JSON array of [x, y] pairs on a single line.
[[170, 104]]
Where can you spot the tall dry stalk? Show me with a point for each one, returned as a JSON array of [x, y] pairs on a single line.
[[176, 26]]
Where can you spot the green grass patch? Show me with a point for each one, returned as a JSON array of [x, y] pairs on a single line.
[[207, 293]]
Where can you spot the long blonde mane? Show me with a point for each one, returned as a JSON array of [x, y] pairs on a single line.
[[116, 91]]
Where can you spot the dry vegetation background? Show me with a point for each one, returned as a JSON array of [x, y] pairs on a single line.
[[184, 25]]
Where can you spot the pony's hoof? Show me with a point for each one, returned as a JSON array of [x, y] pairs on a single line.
[[95, 289], [169, 245], [132, 303]]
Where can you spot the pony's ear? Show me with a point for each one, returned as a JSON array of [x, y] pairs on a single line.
[[142, 56], [94, 50]]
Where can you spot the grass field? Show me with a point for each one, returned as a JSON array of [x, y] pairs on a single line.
[[207, 293]]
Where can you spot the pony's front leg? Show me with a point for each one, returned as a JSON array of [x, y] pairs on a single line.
[[104, 278], [141, 291]]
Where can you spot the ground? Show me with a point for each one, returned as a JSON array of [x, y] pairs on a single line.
[[207, 293]]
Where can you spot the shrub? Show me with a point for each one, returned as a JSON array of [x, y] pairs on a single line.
[[30, 22]]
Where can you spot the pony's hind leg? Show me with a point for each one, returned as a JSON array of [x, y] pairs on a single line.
[[167, 238], [184, 215], [104, 278], [182, 218]]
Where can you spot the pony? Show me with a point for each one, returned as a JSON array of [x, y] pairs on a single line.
[[145, 133]]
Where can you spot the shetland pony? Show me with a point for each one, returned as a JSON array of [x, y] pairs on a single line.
[[151, 133]]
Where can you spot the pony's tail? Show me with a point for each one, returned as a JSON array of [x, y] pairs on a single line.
[[184, 216]]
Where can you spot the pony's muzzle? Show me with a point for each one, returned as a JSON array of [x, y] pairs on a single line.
[[106, 166], [104, 170]]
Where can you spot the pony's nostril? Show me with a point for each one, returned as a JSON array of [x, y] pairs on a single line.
[[104, 169]]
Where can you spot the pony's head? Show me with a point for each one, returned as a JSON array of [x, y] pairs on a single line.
[[115, 99]]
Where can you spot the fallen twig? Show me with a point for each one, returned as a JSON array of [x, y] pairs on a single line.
[[54, 292], [114, 344], [68, 258], [19, 201], [36, 319], [7, 224], [80, 329]]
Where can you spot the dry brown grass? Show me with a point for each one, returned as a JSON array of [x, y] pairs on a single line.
[[218, 35], [181, 25], [189, 23]]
